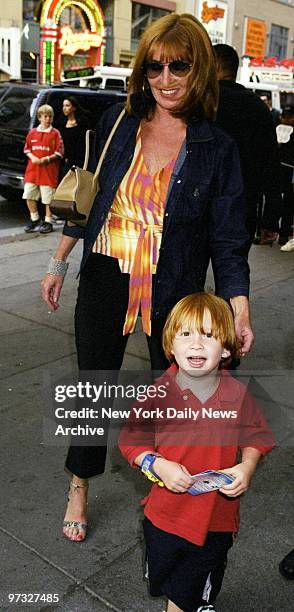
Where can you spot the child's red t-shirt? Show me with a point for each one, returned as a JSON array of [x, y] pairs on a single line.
[[43, 143]]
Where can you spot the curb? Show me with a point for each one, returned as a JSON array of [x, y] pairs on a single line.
[[18, 235]]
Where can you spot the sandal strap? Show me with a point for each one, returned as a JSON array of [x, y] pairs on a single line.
[[77, 524], [76, 486]]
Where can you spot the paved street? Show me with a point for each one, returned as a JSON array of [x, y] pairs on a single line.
[[104, 573], [13, 213]]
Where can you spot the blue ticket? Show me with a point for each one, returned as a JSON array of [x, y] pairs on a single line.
[[208, 481]]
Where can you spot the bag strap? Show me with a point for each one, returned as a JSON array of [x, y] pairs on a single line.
[[87, 150], [108, 141]]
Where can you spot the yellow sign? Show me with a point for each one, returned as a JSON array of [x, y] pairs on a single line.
[[255, 37], [70, 42]]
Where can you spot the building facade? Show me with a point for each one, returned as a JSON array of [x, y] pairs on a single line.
[[40, 39], [10, 38]]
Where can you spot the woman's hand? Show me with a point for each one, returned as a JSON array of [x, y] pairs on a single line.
[[174, 475], [51, 289], [240, 307]]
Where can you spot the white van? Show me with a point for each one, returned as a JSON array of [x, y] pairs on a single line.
[[281, 95], [102, 77]]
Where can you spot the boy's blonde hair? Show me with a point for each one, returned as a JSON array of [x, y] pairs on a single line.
[[45, 109], [190, 311]]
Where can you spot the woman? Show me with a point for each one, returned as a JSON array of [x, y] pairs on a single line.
[[171, 188], [72, 126]]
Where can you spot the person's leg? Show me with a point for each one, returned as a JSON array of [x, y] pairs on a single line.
[[100, 312], [46, 196], [31, 194], [189, 576], [287, 214], [34, 216], [33, 207], [171, 607], [157, 357]]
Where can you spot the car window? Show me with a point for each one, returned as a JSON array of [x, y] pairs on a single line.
[[15, 108], [94, 104]]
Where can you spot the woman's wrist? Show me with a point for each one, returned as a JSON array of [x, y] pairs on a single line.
[[57, 267]]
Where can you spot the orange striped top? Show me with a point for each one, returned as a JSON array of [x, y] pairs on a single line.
[[133, 230]]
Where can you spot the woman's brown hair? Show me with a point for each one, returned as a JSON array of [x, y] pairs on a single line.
[[178, 37]]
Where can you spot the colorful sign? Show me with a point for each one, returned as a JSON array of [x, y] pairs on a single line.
[[61, 42], [255, 37], [70, 43], [214, 15]]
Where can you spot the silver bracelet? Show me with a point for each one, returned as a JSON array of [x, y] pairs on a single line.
[[57, 267]]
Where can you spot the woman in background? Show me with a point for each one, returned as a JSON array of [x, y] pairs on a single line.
[[72, 125]]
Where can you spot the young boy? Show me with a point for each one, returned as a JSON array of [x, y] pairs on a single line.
[[187, 537], [44, 148]]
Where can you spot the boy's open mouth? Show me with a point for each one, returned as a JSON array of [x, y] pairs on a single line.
[[196, 362]]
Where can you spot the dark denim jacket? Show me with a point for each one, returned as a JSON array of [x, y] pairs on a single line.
[[204, 214]]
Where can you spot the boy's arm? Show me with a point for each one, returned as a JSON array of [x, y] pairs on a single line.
[[57, 154], [174, 475], [137, 439], [242, 472]]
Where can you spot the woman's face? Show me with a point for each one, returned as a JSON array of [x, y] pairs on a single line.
[[67, 107], [168, 88]]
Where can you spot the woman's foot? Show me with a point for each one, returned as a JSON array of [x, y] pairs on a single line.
[[75, 520]]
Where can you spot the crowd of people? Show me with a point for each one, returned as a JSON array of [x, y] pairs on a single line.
[[180, 187]]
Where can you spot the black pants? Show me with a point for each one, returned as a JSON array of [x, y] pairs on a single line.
[[100, 313], [189, 575], [287, 210]]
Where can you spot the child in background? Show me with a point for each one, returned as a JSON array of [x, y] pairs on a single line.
[[187, 537], [44, 148]]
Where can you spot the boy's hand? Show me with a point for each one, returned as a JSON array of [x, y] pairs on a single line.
[[174, 475], [43, 161], [35, 160], [243, 473]]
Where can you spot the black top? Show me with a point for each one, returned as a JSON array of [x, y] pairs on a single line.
[[247, 119], [74, 143]]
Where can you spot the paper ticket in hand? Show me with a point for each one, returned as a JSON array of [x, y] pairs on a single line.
[[208, 481]]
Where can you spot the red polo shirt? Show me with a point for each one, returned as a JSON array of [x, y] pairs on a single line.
[[209, 442]]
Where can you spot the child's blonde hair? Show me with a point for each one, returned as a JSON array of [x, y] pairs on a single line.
[[190, 311], [45, 109]]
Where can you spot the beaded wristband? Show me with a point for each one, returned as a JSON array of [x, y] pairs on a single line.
[[57, 267], [147, 469]]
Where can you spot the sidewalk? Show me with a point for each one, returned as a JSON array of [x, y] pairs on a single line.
[[104, 572]]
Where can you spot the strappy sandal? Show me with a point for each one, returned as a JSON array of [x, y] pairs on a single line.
[[82, 527]]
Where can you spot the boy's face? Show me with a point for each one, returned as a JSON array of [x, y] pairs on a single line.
[[198, 354], [45, 120]]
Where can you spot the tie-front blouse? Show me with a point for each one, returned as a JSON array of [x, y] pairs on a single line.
[[132, 232]]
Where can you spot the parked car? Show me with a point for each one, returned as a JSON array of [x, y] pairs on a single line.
[[19, 103]]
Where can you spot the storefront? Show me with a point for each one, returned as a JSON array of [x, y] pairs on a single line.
[[71, 37]]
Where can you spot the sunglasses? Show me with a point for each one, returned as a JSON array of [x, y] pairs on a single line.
[[179, 68]]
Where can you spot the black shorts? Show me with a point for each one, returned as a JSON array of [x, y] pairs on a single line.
[[189, 575]]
